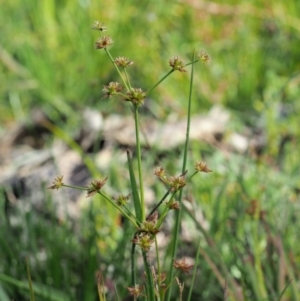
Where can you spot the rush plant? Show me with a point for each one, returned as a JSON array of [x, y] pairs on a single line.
[[146, 222]]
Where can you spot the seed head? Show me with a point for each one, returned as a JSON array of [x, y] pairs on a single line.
[[57, 183], [182, 265], [144, 241], [99, 26], [177, 64], [123, 61], [204, 57], [175, 205], [111, 89], [95, 186], [135, 290], [177, 182], [103, 42], [136, 96], [202, 167], [121, 200]]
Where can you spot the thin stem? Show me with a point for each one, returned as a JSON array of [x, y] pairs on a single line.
[[127, 77], [119, 208], [194, 272], [179, 212], [160, 202], [75, 187], [139, 159], [118, 70], [149, 277], [133, 275], [161, 80]]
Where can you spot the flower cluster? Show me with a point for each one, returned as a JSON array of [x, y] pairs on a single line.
[[103, 42], [144, 241], [57, 183], [136, 96], [111, 89], [123, 61], [121, 200], [95, 187], [182, 265], [177, 64], [204, 57], [99, 26], [202, 167], [135, 291]]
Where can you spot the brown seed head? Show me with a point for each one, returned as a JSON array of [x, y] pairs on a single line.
[[103, 42], [111, 89], [121, 200], [177, 64], [202, 167], [95, 186], [57, 183], [177, 182], [182, 265], [123, 61], [136, 96], [135, 290], [144, 241], [99, 26]]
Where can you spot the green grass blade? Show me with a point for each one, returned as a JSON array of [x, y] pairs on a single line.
[[282, 293], [3, 295], [32, 298], [45, 292], [135, 194]]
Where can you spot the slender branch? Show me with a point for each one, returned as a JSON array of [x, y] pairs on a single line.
[[118, 70], [179, 212], [161, 80], [139, 159]]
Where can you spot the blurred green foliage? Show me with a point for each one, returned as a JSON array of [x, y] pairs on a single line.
[[48, 60]]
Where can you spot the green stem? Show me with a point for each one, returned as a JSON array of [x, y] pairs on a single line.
[[75, 187], [139, 158], [160, 202], [151, 296], [179, 212], [194, 272], [127, 77], [161, 80], [119, 208], [133, 275], [118, 70]]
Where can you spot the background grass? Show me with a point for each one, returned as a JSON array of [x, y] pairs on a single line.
[[48, 61]]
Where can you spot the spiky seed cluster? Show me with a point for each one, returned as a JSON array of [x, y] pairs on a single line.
[[177, 182], [95, 187], [99, 26], [202, 167], [111, 89], [57, 183], [204, 57], [121, 200], [136, 96], [175, 205], [144, 241], [149, 227], [135, 291], [103, 42], [177, 64], [182, 265], [160, 172], [123, 61]]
